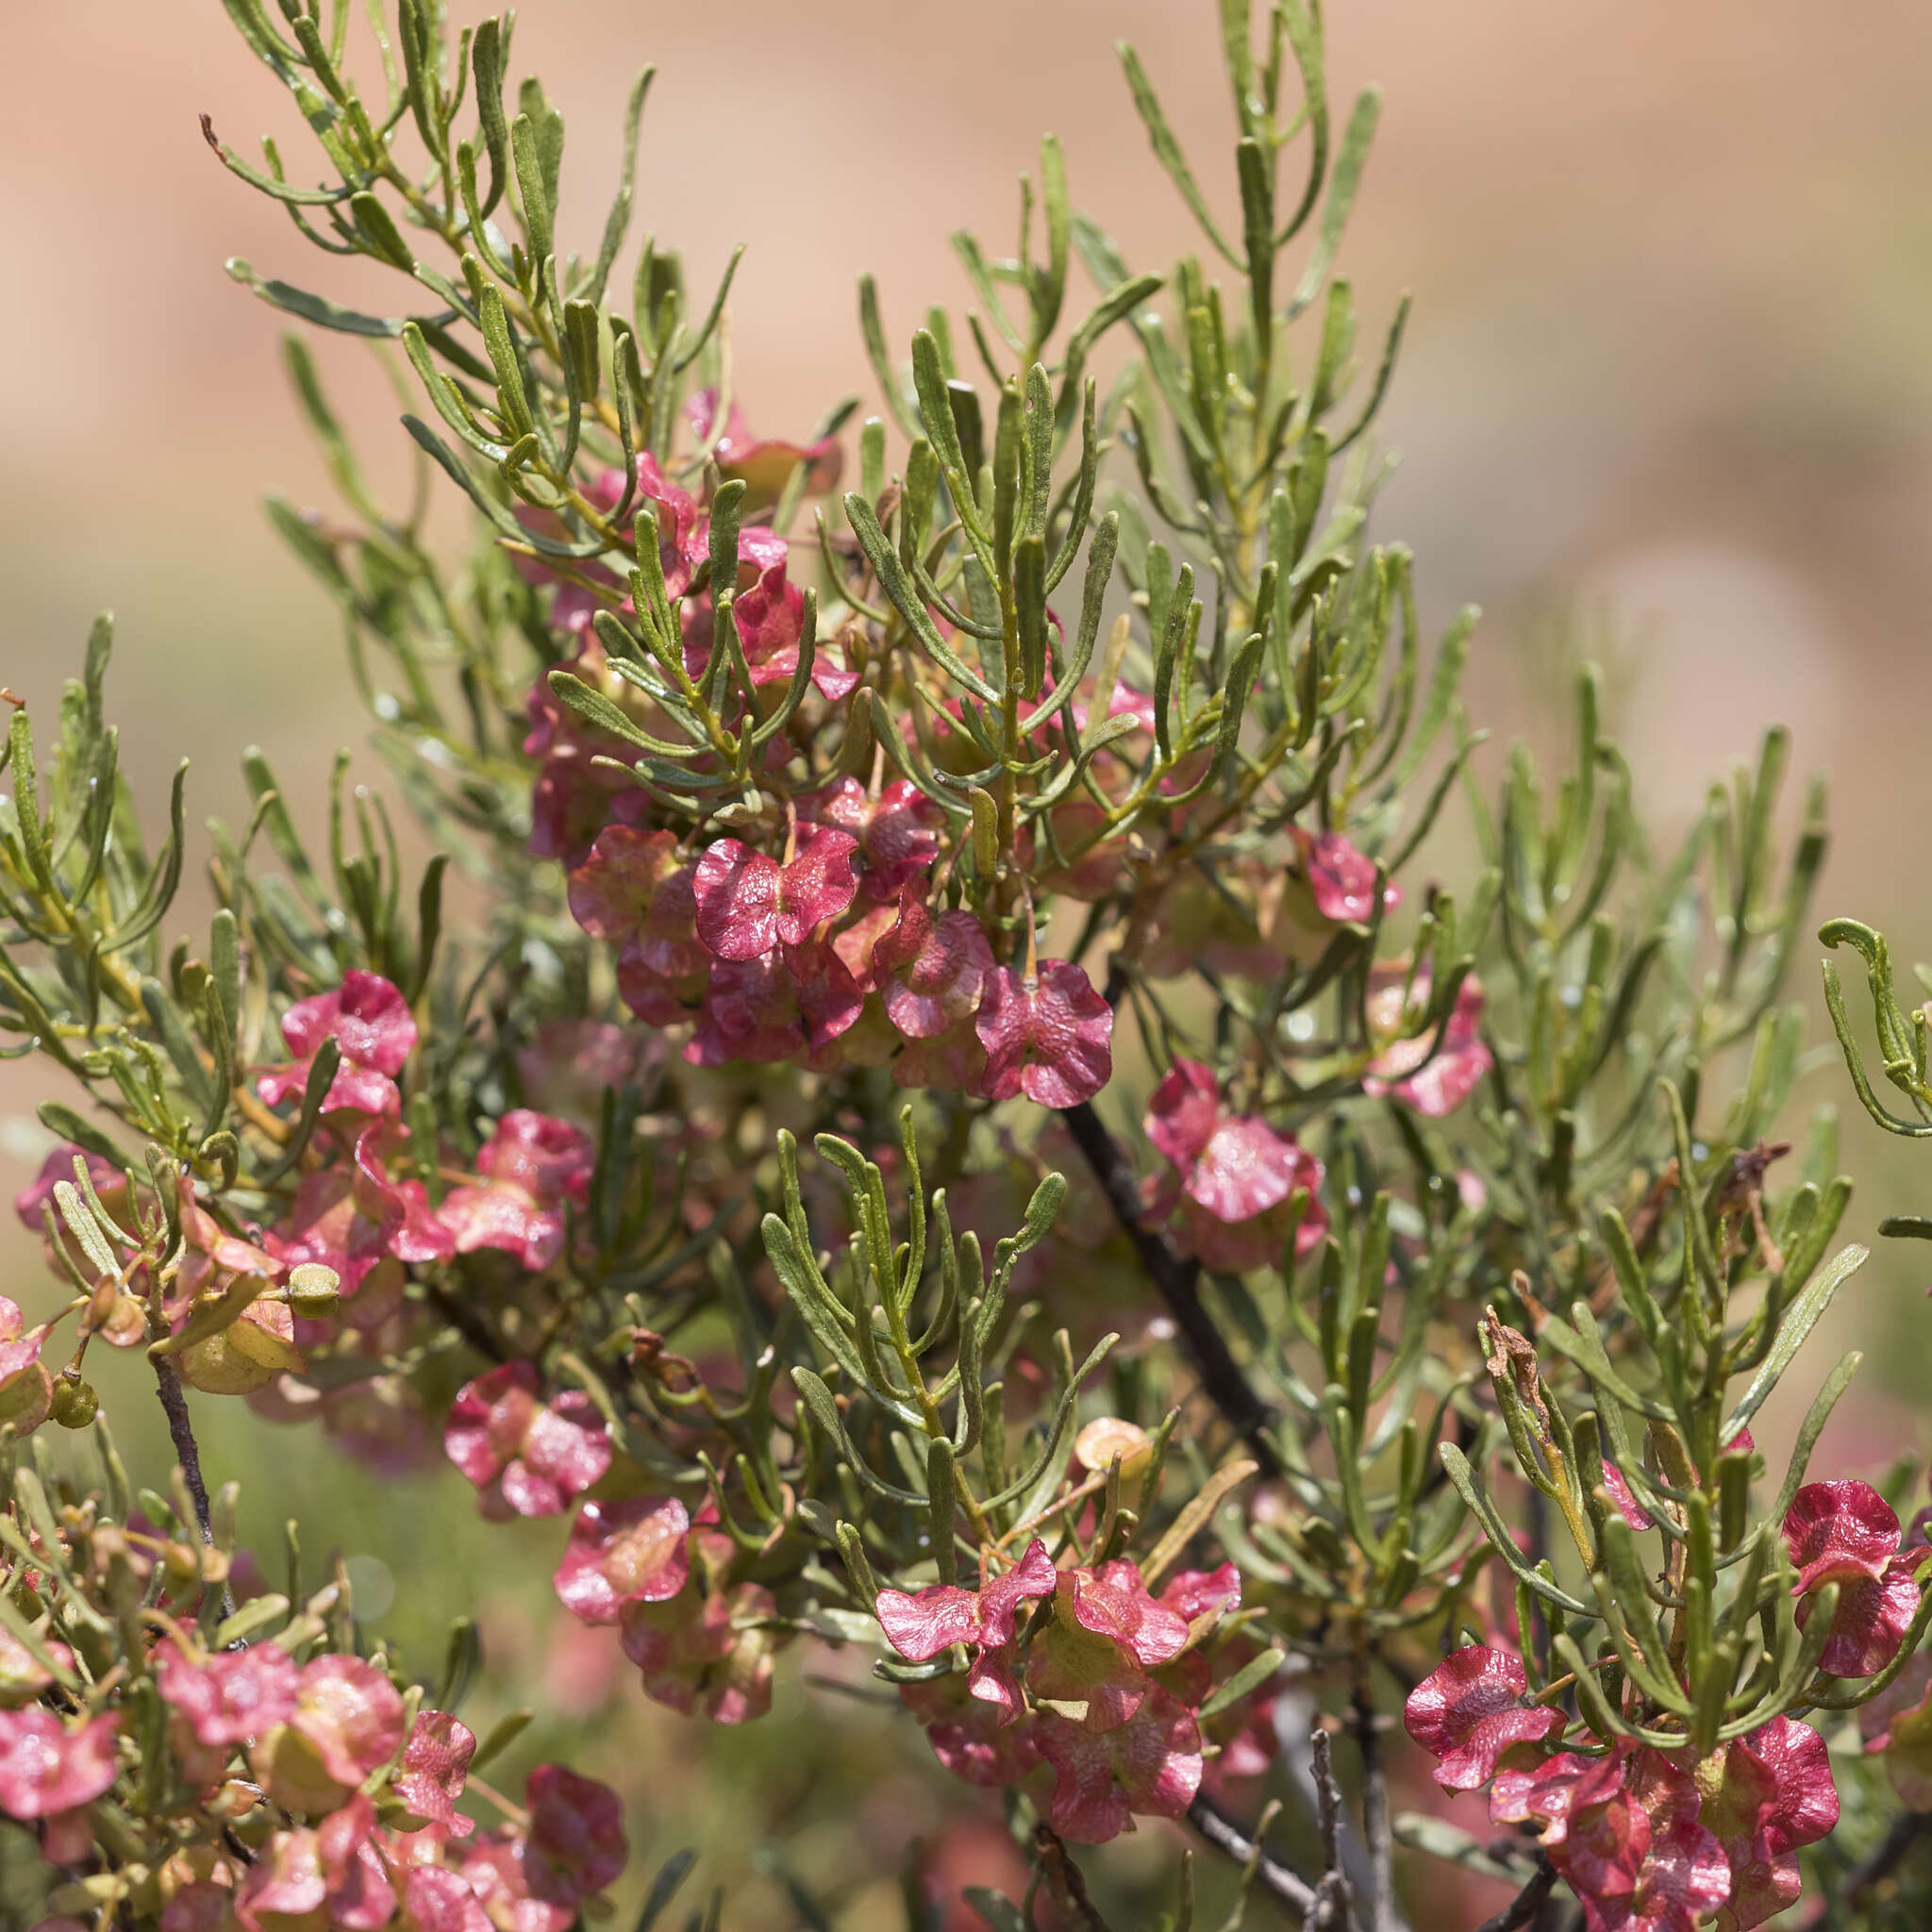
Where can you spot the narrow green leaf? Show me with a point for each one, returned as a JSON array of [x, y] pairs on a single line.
[[906, 599], [1804, 1315], [1349, 162], [1167, 151], [318, 310], [671, 1875], [539, 210], [618, 222]]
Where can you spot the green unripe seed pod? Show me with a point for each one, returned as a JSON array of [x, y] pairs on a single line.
[[74, 1403], [315, 1291]]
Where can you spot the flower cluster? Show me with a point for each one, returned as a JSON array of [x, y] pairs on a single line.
[[1435, 1076], [1650, 1841], [1846, 1533], [1243, 1194], [1083, 1670], [829, 952], [237, 1308], [352, 1211], [700, 1640], [192, 1772]]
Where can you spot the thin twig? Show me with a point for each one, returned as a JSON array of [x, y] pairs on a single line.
[[1294, 1720], [1287, 1887], [463, 1317], [1178, 1279], [1334, 1895], [1888, 1855], [1526, 1904], [187, 1452], [1881, 1862], [1374, 1813], [1064, 1880]]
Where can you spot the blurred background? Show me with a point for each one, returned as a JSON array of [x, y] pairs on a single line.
[[1668, 387]]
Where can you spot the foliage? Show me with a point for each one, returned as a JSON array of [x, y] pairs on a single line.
[[1379, 1320]]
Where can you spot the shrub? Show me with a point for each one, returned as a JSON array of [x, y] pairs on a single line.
[[1237, 1291]]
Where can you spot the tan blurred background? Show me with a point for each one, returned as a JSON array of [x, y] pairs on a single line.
[[1673, 268], [1670, 376]]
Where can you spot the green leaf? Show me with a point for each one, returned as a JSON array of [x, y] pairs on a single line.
[[1385, 370], [502, 1735], [1349, 163], [1050, 283], [1167, 150], [501, 344], [936, 411], [63, 1121], [461, 1661], [891, 390], [967, 248], [428, 923], [423, 53], [272, 185], [379, 231], [906, 600], [1439, 1839], [268, 47], [817, 1398], [323, 312], [1119, 302], [712, 315], [590, 703], [1460, 1474], [254, 1617], [452, 466], [618, 221], [1302, 28], [486, 62], [825, 1317], [321, 1074], [164, 881], [671, 1875], [1804, 1315], [1813, 1427], [1584, 1346], [26, 804], [1193, 1518], [942, 1500], [1249, 1678], [535, 186], [1029, 611], [1256, 172]]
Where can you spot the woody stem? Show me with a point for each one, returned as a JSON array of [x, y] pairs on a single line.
[[187, 1452], [1178, 1279], [1287, 1887]]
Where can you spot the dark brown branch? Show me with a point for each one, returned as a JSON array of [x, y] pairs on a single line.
[[465, 1319], [1526, 1904], [1287, 1887], [1375, 1826], [187, 1452], [1881, 1861], [1064, 1880], [1886, 1855], [1178, 1279], [1334, 1895]]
